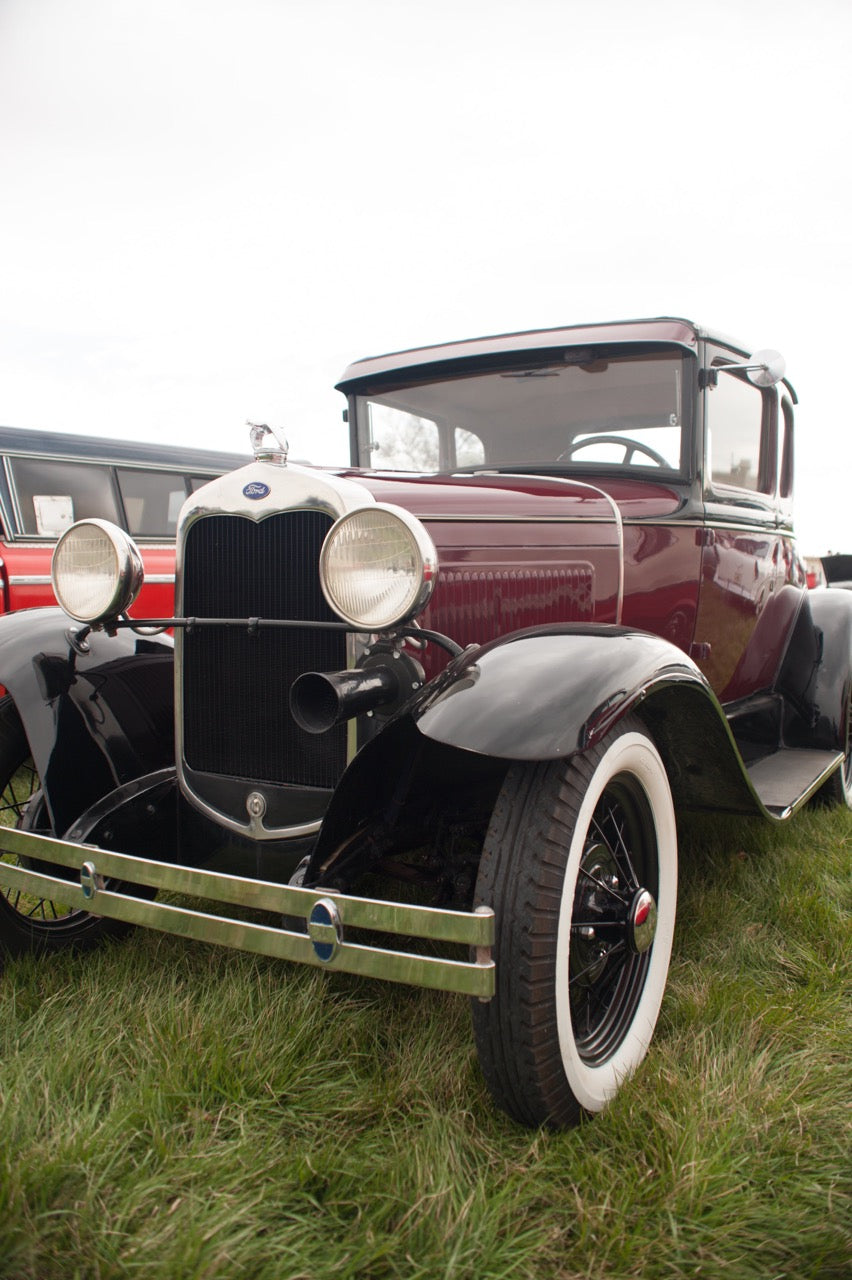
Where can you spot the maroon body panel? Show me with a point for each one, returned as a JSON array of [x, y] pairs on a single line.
[[710, 567], [518, 552], [514, 552], [749, 599]]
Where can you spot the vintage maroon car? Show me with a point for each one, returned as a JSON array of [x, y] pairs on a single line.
[[462, 689]]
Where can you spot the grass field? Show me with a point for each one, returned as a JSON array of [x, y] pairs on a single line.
[[171, 1110]]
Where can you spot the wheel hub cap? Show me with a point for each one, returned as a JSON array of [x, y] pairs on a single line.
[[641, 921]]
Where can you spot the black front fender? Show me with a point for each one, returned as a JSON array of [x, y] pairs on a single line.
[[547, 694], [544, 694], [94, 718]]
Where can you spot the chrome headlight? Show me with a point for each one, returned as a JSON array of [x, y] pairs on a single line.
[[378, 567], [96, 571]]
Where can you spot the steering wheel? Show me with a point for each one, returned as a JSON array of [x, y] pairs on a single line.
[[630, 447]]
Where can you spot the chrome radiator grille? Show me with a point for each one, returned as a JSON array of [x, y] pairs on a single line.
[[236, 716]]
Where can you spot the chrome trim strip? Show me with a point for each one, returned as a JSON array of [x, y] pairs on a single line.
[[17, 516], [33, 542], [692, 523], [9, 514], [178, 467], [495, 519], [44, 579], [255, 829], [474, 929]]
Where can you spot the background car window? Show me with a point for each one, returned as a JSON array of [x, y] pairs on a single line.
[[735, 421], [152, 501], [52, 495]]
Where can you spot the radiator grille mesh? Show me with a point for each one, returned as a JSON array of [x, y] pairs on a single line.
[[237, 718]]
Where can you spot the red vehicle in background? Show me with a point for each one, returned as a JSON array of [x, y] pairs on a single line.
[[50, 479], [445, 703]]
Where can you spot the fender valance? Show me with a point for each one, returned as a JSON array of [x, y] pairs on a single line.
[[95, 715]]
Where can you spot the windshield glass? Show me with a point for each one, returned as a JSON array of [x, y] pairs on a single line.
[[602, 411]]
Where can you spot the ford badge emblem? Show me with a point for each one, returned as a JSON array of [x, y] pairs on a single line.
[[256, 489]]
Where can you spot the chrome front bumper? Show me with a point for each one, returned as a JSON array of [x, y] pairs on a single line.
[[327, 915]]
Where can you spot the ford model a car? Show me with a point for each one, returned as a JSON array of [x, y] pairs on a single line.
[[433, 715]]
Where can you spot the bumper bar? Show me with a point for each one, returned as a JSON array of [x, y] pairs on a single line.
[[328, 915]]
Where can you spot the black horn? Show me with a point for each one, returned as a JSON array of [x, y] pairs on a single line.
[[321, 699]]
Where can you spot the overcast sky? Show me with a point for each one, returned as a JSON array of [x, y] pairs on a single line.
[[210, 207]]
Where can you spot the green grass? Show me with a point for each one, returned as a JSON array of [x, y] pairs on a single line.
[[171, 1110]]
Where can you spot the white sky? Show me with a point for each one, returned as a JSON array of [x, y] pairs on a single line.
[[210, 207]]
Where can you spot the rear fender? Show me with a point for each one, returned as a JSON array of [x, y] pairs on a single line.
[[816, 674], [95, 717]]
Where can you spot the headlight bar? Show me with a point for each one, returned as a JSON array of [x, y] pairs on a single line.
[[264, 624]]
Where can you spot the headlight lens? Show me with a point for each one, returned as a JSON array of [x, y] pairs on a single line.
[[378, 567], [96, 571]]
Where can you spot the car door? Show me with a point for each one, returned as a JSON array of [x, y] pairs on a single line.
[[742, 617]]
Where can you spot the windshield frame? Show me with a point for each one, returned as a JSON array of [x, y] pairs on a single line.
[[529, 365]]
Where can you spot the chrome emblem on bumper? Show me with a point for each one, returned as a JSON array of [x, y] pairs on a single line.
[[325, 929]]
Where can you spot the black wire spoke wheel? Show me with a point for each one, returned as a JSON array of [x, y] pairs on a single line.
[[580, 866], [22, 805], [29, 922], [613, 922]]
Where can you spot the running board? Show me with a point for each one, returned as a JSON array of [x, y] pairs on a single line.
[[787, 779], [101, 877]]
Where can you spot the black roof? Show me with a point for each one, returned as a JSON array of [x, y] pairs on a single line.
[[61, 444]]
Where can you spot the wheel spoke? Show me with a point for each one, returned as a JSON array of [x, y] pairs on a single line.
[[615, 949], [597, 923], [618, 847], [599, 995], [603, 886], [19, 793]]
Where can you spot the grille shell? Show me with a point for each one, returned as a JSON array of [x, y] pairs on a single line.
[[236, 720]]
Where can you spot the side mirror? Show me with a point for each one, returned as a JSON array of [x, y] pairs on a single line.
[[766, 368]]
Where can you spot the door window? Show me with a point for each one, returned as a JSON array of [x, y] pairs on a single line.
[[738, 424], [52, 495], [152, 500]]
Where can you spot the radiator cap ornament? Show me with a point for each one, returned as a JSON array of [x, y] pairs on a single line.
[[275, 452]]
